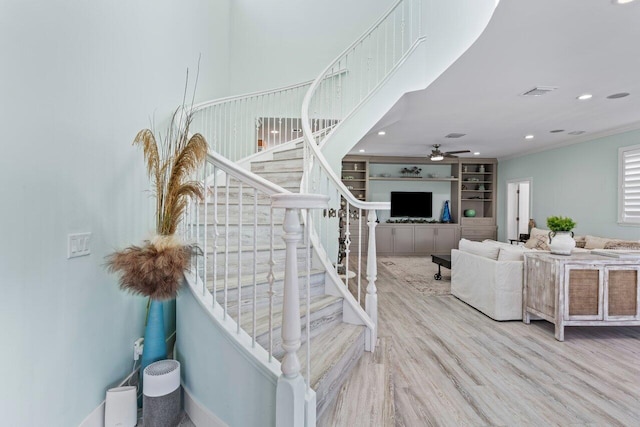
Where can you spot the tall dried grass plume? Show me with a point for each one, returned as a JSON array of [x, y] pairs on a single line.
[[156, 268]]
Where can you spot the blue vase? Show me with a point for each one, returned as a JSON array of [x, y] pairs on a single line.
[[446, 213], [155, 347]]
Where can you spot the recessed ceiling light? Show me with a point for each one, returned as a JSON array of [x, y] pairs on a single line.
[[556, 130], [528, 137], [618, 95], [585, 96], [274, 131], [455, 135], [477, 153], [362, 151], [382, 133], [621, 1]]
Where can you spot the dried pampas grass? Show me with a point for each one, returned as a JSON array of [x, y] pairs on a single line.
[[155, 269]]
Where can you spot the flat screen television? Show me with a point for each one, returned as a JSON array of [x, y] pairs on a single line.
[[411, 204]]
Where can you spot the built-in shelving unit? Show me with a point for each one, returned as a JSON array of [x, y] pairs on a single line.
[[355, 176], [471, 185]]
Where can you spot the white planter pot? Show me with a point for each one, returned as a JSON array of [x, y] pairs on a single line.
[[561, 242]]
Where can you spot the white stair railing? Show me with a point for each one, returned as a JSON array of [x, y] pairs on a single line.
[[335, 94], [239, 126], [234, 223]]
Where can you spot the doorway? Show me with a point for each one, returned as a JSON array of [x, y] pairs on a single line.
[[518, 207]]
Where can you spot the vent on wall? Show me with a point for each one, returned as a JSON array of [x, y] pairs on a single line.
[[539, 91]]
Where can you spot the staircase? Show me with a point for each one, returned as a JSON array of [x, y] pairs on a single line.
[[271, 327], [342, 344]]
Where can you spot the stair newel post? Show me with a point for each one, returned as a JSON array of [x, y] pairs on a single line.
[[291, 388], [371, 300]]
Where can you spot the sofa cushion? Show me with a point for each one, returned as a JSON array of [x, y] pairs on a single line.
[[479, 248], [581, 241], [510, 255], [539, 239], [622, 244]]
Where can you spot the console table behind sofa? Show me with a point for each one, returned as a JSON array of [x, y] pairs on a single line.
[[581, 290]]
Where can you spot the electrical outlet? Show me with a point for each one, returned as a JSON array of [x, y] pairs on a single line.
[[78, 244], [138, 345]]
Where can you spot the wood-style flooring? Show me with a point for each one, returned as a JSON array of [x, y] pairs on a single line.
[[439, 362]]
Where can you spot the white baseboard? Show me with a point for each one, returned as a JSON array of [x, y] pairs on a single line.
[[199, 415], [96, 417]]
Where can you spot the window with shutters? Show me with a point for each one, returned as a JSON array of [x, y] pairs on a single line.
[[629, 185]]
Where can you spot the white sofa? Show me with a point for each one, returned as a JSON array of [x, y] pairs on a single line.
[[488, 276]]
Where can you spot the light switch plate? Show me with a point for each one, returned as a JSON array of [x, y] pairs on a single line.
[[78, 244]]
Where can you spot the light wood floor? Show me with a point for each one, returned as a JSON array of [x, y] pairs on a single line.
[[441, 362]]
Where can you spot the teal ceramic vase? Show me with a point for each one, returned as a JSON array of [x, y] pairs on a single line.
[[155, 347]]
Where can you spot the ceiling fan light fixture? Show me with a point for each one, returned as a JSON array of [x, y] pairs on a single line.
[[437, 157]]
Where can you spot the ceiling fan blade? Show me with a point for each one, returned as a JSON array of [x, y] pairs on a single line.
[[457, 152]]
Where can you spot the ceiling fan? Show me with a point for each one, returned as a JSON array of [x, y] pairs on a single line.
[[437, 155]]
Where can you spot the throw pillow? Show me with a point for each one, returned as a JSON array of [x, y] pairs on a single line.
[[622, 244], [593, 242], [539, 239], [580, 241], [478, 248]]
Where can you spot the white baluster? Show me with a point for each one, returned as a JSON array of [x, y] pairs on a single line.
[[371, 300], [290, 392]]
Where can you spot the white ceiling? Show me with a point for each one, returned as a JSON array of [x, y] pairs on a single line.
[[578, 46]]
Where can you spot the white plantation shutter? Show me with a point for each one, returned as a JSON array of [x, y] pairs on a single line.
[[629, 185]]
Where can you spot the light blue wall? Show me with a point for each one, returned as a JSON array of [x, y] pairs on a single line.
[[227, 391], [580, 181], [78, 80]]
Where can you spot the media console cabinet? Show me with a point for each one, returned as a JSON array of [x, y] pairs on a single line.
[[581, 290]]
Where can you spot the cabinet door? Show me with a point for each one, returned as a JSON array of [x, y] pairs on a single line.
[[424, 239], [446, 239], [384, 240], [403, 240], [621, 293], [583, 292]]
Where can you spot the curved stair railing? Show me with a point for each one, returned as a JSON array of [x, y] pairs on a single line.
[[334, 95], [237, 127], [236, 222]]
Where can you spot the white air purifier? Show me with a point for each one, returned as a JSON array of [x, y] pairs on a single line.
[[121, 407], [161, 390]]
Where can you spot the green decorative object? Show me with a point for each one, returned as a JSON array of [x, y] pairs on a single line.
[[470, 213]]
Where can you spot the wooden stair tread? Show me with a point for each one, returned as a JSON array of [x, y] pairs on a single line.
[[247, 279], [262, 312], [328, 348]]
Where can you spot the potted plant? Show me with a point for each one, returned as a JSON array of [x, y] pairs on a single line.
[[561, 237], [155, 269]]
